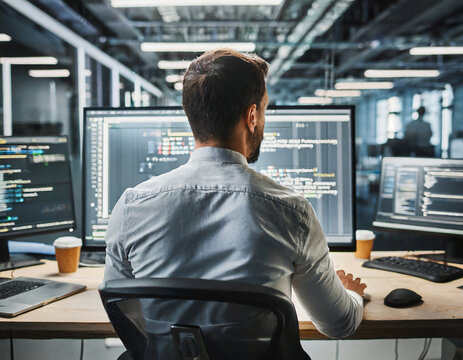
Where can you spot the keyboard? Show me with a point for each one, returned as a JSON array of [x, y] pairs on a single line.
[[424, 269], [15, 287]]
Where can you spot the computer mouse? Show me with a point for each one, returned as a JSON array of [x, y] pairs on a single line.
[[401, 298]]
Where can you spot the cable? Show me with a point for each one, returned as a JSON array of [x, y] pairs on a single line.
[[81, 349], [11, 347], [337, 350], [396, 349], [423, 352], [427, 344]]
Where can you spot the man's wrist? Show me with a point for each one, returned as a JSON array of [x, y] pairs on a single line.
[[356, 296]]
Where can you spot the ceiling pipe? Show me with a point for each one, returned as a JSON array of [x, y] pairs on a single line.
[[319, 18]]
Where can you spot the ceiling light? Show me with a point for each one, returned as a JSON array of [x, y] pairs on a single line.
[[178, 86], [88, 72], [338, 93], [152, 3], [437, 50], [173, 65], [169, 14], [306, 100], [5, 37], [401, 73], [35, 60], [51, 73], [194, 47], [174, 78], [363, 85]]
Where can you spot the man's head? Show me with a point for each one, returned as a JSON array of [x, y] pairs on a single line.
[[421, 111], [221, 89]]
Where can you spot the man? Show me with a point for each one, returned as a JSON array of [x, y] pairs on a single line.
[[418, 132], [418, 135], [215, 218]]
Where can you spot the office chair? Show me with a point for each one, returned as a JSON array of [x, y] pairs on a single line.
[[190, 341]]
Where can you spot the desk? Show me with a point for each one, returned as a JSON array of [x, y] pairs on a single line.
[[83, 316]]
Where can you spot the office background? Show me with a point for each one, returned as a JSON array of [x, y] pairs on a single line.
[[106, 53]]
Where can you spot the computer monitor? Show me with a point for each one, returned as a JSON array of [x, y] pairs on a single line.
[[309, 149], [423, 195], [35, 191]]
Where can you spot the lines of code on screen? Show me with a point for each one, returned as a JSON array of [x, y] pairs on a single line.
[[35, 185], [421, 194], [312, 156]]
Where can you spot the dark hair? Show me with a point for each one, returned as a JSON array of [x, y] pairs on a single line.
[[421, 111], [218, 87]]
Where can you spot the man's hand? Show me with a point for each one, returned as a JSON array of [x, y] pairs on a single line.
[[351, 284]]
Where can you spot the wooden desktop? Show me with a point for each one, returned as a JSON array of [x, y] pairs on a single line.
[[82, 315]]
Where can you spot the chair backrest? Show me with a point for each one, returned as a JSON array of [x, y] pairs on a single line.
[[284, 343]]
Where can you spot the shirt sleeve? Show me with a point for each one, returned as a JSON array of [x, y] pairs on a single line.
[[117, 263], [335, 311]]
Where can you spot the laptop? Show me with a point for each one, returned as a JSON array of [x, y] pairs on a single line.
[[23, 294]]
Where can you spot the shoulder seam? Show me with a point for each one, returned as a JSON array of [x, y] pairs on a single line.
[[217, 189]]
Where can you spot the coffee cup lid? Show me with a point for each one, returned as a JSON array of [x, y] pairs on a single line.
[[66, 242], [364, 235]]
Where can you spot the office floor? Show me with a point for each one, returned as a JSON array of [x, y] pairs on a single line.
[[57, 349]]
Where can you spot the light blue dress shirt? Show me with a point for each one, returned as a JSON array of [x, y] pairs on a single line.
[[216, 218]]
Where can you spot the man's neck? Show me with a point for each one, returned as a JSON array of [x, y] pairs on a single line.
[[220, 144]]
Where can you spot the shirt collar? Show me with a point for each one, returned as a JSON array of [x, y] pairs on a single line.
[[210, 153]]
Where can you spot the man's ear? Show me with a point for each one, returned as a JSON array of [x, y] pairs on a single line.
[[251, 117]]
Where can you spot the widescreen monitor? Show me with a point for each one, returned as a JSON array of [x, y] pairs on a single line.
[[306, 148], [423, 195], [35, 189]]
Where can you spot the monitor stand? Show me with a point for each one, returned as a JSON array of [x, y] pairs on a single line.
[[453, 252], [14, 261], [89, 257]]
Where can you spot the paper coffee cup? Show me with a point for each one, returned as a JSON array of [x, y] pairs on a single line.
[[67, 250], [364, 241]]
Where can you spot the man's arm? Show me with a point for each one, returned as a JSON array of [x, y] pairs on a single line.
[[117, 264], [335, 311]]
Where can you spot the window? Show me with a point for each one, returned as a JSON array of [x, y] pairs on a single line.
[[447, 101], [381, 121], [430, 100], [388, 119]]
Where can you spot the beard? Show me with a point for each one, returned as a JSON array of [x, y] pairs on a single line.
[[254, 144]]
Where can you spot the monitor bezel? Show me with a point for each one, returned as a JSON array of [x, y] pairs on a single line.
[[415, 229], [54, 229], [333, 248]]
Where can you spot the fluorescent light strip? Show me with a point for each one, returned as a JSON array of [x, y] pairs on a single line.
[[173, 65], [338, 93], [178, 86], [34, 60], [153, 3], [51, 73], [306, 100], [364, 85], [174, 78], [437, 50], [194, 47], [5, 37], [401, 73]]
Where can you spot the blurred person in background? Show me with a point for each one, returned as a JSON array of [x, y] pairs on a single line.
[[417, 137]]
